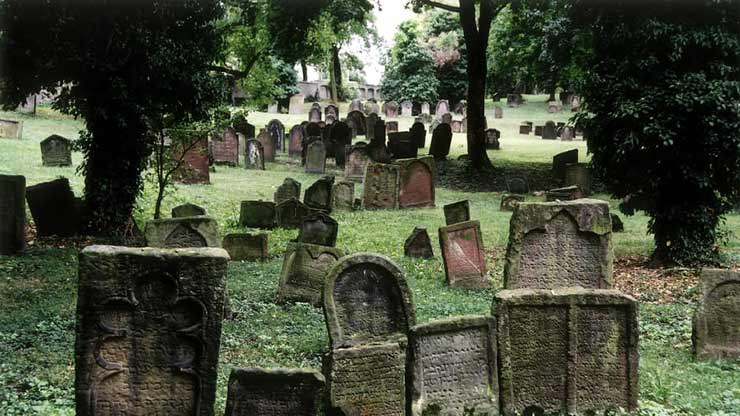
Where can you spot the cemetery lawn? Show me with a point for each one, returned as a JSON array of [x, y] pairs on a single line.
[[38, 289]]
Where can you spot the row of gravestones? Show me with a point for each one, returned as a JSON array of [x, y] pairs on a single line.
[[391, 108], [551, 131], [56, 151]]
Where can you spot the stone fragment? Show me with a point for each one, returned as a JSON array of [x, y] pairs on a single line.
[[290, 189], [561, 160], [416, 186], [457, 212], [291, 213], [716, 323], [343, 196], [509, 202], [318, 195], [381, 186], [12, 214], [567, 193], [187, 210], [254, 157], [246, 247], [304, 272], [441, 141], [53, 208], [274, 392], [56, 151], [257, 214], [418, 244], [182, 232], [11, 129], [316, 157], [463, 255]]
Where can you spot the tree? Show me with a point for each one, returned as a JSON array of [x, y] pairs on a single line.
[[662, 119], [117, 65], [443, 37], [409, 73]]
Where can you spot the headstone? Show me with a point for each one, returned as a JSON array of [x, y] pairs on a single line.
[[316, 157], [461, 107], [225, 147], [318, 195], [148, 330], [560, 244], [381, 186], [391, 109], [463, 255], [187, 210], [343, 196], [295, 142], [456, 126], [331, 110], [277, 132], [567, 193], [391, 126], [407, 108], [418, 134], [291, 213], [401, 146], [268, 145], [567, 350], [443, 107], [538, 130], [561, 160], [319, 229], [243, 127], [355, 163], [371, 107], [716, 323], [550, 131], [12, 214], [441, 141], [517, 185], [314, 115], [254, 156], [257, 214], [447, 119], [273, 108], [195, 168], [290, 188], [274, 392], [498, 112], [56, 151], [355, 105], [379, 154], [11, 129], [492, 139], [28, 106], [418, 244], [617, 224], [509, 202], [567, 133], [356, 120], [377, 138], [554, 107], [457, 212], [425, 108], [513, 100], [525, 129], [416, 187], [330, 119], [575, 103], [53, 208], [304, 272], [370, 122], [312, 129], [246, 247], [341, 135], [296, 104], [452, 367], [580, 175], [189, 232]]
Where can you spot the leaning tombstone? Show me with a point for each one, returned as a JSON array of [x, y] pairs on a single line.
[[290, 188], [463, 255], [12, 214], [53, 208], [560, 244], [356, 160], [11, 129], [291, 213], [56, 151], [316, 157], [304, 272], [246, 247], [716, 323], [551, 341], [441, 141], [187, 210], [418, 134], [343, 196], [318, 195], [319, 229], [580, 175], [225, 147], [509, 202], [188, 232], [257, 214], [416, 182], [381, 186], [561, 160], [254, 155], [457, 212], [549, 132], [274, 392], [418, 244], [148, 330], [268, 145]]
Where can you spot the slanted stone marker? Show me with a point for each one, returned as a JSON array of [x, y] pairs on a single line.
[[318, 195], [561, 160], [463, 255], [291, 213], [56, 151], [53, 208], [319, 229], [11, 129], [452, 367], [254, 157], [290, 188], [560, 244], [356, 160], [316, 157], [418, 244], [441, 141], [182, 232], [567, 350], [304, 272], [12, 214], [257, 214], [187, 210], [381, 186], [225, 147], [457, 212], [716, 324], [416, 186], [343, 196], [148, 330], [274, 392], [247, 247]]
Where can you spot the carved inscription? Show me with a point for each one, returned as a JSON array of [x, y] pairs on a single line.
[[463, 255], [381, 186], [183, 236], [417, 187], [274, 392]]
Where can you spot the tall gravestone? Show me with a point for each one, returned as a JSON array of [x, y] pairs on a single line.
[[343, 196], [257, 214], [549, 131], [418, 134], [53, 208], [148, 330], [187, 232], [290, 189], [56, 151], [274, 392], [356, 161], [268, 145], [12, 214], [716, 323], [381, 186], [254, 155], [391, 109], [463, 255], [356, 120], [377, 139], [246, 247], [457, 212], [559, 244], [225, 147], [561, 160], [416, 182], [195, 167], [291, 213], [441, 141], [304, 272], [295, 142], [277, 131], [316, 157]]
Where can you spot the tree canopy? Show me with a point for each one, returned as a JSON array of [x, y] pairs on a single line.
[[409, 72]]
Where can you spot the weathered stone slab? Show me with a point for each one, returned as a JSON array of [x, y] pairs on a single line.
[[457, 212], [716, 324], [356, 161], [195, 168], [53, 208], [187, 210], [243, 127], [291, 213], [560, 244], [277, 131], [567, 193], [295, 142], [509, 202], [12, 214], [538, 130], [295, 105], [319, 229], [318, 195], [441, 141], [257, 214], [525, 129], [418, 134], [254, 156], [453, 367], [148, 330], [416, 182], [381, 187], [343, 196], [11, 129], [390, 108], [579, 174], [268, 145], [463, 255], [391, 127], [418, 244], [246, 247], [274, 392], [56, 151], [290, 189], [406, 108], [225, 147], [304, 272], [182, 232], [447, 119], [456, 126], [401, 146], [316, 157], [331, 110], [498, 112], [561, 160], [567, 350], [355, 105]]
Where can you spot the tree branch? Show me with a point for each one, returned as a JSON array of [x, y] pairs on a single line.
[[439, 5], [233, 72]]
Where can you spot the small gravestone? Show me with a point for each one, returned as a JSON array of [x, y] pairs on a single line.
[[443, 107], [277, 132], [254, 156], [416, 182], [401, 146], [355, 105], [575, 103], [567, 193], [498, 112], [391, 127], [318, 195], [291, 213], [464, 125], [343, 196], [355, 163], [716, 323], [274, 392], [441, 141], [319, 229], [381, 186], [391, 109], [452, 367], [425, 108], [341, 135], [304, 272], [56, 151], [148, 330], [187, 210], [418, 135], [418, 244], [457, 212], [225, 147], [314, 115], [567, 133], [189, 232], [559, 244], [447, 119], [513, 100], [316, 157], [296, 104], [195, 167], [538, 130], [552, 341], [246, 247], [456, 126], [561, 160], [461, 107], [295, 142], [53, 208], [268, 145], [463, 255], [578, 174], [11, 129], [356, 120], [290, 188], [257, 214], [550, 131], [525, 129], [12, 214], [554, 107], [273, 108], [617, 224], [517, 185], [331, 110], [406, 108], [492, 139], [509, 202]]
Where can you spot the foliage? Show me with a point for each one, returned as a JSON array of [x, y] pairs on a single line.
[[443, 36], [662, 119], [409, 74]]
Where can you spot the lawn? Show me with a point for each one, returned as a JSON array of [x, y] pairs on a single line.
[[38, 288]]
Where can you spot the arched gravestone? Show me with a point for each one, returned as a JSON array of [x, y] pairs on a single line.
[[716, 323], [331, 110], [307, 142], [268, 145], [316, 157], [355, 105], [391, 109], [559, 244], [343, 196], [371, 107], [187, 210], [225, 147], [319, 229], [418, 134], [314, 115], [316, 105], [441, 141], [356, 120], [549, 132], [304, 271], [517, 185], [417, 177], [274, 392], [443, 107], [277, 132], [149, 330], [12, 214], [406, 108], [201, 231], [56, 151], [291, 213], [254, 156], [356, 160], [381, 186], [464, 255], [318, 195], [295, 143], [290, 188]]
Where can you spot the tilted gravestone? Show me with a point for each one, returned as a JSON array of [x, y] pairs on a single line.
[[12, 214], [254, 156], [277, 132], [182, 232], [509, 202], [56, 151], [559, 244], [452, 367], [11, 129], [318, 195], [319, 229], [343, 196], [443, 107], [561, 160], [316, 157], [578, 174], [356, 161], [314, 115], [246, 247], [441, 141], [416, 182], [187, 210], [295, 143], [418, 244], [257, 214], [418, 134], [463, 255], [716, 323], [53, 208], [584, 343], [195, 167], [291, 213], [304, 272], [274, 392], [225, 147], [356, 120], [381, 186], [549, 131], [148, 330], [290, 189], [457, 212], [268, 145]]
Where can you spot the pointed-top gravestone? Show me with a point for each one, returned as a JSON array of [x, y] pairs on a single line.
[[418, 134], [443, 107], [418, 244], [457, 212], [12, 214], [254, 156], [290, 188], [274, 392], [318, 195], [319, 229], [187, 210], [441, 141], [56, 151], [277, 132]]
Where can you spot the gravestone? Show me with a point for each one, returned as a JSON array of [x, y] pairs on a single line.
[[274, 392], [295, 142], [356, 120], [277, 132], [498, 112], [716, 323], [456, 126], [356, 161], [617, 224], [355, 105], [452, 367], [11, 129], [567, 133], [457, 212], [225, 147], [418, 134], [492, 139], [443, 107], [554, 107], [148, 330], [371, 107], [53, 208], [341, 135], [567, 350], [243, 127], [254, 156], [418, 244], [187, 210], [330, 119], [381, 186], [268, 145], [318, 195], [304, 272], [567, 193], [316, 157], [517, 185], [307, 142], [425, 108], [446, 118], [312, 130], [406, 108], [561, 160], [401, 146], [538, 130], [343, 196], [370, 122], [416, 182], [509, 202], [290, 188], [377, 138], [257, 214], [314, 115], [331, 110], [56, 151], [319, 229], [578, 174], [273, 108], [513, 100], [463, 255], [575, 103], [195, 168], [391, 127], [296, 104], [559, 244], [549, 131], [464, 125], [525, 129], [441, 141], [12, 214], [291, 213], [461, 107], [391, 109], [189, 232], [246, 247]]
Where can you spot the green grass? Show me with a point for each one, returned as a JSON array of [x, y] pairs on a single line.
[[38, 289]]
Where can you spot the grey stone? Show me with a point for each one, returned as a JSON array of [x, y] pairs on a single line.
[[356, 161], [579, 174], [276, 129], [254, 156], [343, 196], [716, 323], [319, 229], [549, 131], [274, 392], [406, 108], [257, 214], [464, 255], [12, 214], [182, 232], [418, 244], [11, 129], [268, 145], [457, 212], [246, 247], [441, 141], [295, 142], [316, 157], [304, 272], [318, 195], [314, 114], [56, 151], [443, 107], [291, 213], [381, 186], [561, 160], [290, 189], [296, 104], [187, 210], [53, 208]]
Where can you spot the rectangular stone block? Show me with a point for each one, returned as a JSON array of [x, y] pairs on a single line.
[[182, 232], [12, 214], [457, 212], [246, 247], [716, 324], [11, 129], [274, 392], [304, 272], [257, 214], [54, 208], [148, 330], [381, 188], [463, 255], [225, 147]]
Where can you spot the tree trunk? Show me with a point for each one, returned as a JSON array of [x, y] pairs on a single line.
[[336, 70], [304, 70]]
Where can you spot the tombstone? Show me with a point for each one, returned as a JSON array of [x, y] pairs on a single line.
[[549, 131], [370, 124], [291, 213], [379, 154], [295, 141], [406, 108], [371, 107], [418, 244], [401, 146], [525, 129], [457, 212], [268, 145], [53, 208], [356, 161], [381, 186], [195, 167], [187, 232], [304, 272], [314, 115], [254, 155], [446, 118], [576, 337], [274, 392], [290, 189], [560, 162], [567, 193], [331, 110], [580, 175], [312, 129], [443, 107], [277, 132], [617, 224], [416, 182], [243, 127], [391, 126], [343, 196], [554, 107], [456, 126], [463, 255], [12, 214], [341, 136], [441, 141], [538, 130], [319, 229], [356, 120], [498, 112], [492, 139], [56, 151], [225, 147], [461, 107], [418, 134], [148, 330], [517, 185], [509, 202], [390, 109], [330, 120], [425, 108], [28, 106], [452, 367], [513, 100], [575, 103], [187, 210], [560, 244], [716, 322], [296, 104], [257, 214], [246, 247], [355, 105], [316, 157], [567, 133], [11, 129]]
